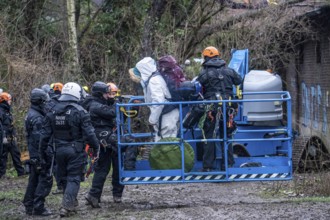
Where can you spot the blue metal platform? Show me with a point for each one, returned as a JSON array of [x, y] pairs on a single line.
[[268, 145]]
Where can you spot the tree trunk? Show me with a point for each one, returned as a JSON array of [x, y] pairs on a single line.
[[31, 13], [73, 56], [156, 10]]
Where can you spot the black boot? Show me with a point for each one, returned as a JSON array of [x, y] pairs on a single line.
[[42, 212], [66, 212], [91, 200], [28, 210]]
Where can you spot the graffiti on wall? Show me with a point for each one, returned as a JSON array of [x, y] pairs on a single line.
[[305, 104], [314, 107]]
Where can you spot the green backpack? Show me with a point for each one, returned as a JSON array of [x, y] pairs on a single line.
[[168, 156]]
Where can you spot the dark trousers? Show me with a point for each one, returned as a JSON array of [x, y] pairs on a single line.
[[102, 168], [209, 148], [55, 173], [130, 157], [57, 177], [38, 188], [71, 163], [11, 147]]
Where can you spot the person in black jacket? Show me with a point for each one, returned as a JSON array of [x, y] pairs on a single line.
[[130, 152], [9, 137], [1, 133], [54, 93], [70, 125], [40, 181], [217, 81], [1, 139], [103, 115]]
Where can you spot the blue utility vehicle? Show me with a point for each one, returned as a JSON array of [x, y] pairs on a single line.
[[261, 143]]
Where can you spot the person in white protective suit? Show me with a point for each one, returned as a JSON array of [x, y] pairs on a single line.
[[156, 91]]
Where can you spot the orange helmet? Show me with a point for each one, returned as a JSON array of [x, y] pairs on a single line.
[[112, 87], [5, 97], [210, 52], [57, 86]]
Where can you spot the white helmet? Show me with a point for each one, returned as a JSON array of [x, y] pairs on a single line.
[[71, 92], [187, 62]]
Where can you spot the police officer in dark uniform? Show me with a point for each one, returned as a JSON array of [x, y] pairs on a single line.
[[1, 137], [130, 152], [217, 81], [70, 126], [9, 137], [54, 93], [40, 180], [103, 114], [1, 146]]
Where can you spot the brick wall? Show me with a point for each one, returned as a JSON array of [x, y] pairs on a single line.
[[313, 69]]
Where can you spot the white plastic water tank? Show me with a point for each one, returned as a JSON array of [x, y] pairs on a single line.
[[262, 81]]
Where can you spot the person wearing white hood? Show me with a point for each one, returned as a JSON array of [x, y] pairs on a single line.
[[156, 91]]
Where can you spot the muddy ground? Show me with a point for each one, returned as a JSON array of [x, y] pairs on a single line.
[[237, 200]]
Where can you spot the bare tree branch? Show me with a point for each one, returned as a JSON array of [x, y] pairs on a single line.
[[155, 13], [88, 25]]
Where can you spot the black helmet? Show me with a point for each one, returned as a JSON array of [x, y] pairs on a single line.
[[46, 88], [99, 88], [38, 96]]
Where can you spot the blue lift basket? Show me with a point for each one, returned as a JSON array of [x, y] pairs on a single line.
[[262, 150]]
